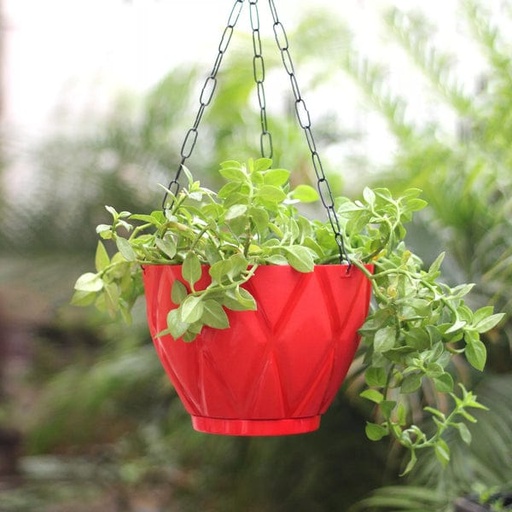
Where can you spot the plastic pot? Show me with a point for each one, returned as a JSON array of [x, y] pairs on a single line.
[[276, 370]]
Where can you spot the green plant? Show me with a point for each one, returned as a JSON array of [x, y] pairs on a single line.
[[419, 325]]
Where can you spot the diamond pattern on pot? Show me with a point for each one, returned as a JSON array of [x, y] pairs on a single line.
[[285, 360]]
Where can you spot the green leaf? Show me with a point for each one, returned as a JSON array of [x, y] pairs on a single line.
[[401, 414], [230, 163], [262, 164], [373, 395], [178, 292], [358, 221], [111, 210], [486, 324], [239, 299], [235, 198], [175, 325], [434, 369], [414, 205], [375, 376], [384, 339], [411, 383], [442, 452], [482, 314], [238, 226], [277, 231], [300, 258], [271, 194], [237, 265], [387, 407], [89, 282], [82, 298], [125, 249], [112, 298], [260, 218], [214, 315], [167, 246], [237, 210], [277, 259], [462, 290], [219, 270], [191, 270], [476, 354], [276, 177], [188, 174], [144, 218], [369, 196], [418, 338], [410, 464], [189, 336], [101, 259], [464, 432], [444, 383], [234, 174], [229, 188], [436, 265], [105, 231], [304, 194], [456, 326], [191, 309], [375, 432]]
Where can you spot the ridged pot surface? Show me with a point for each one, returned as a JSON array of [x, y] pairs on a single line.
[[275, 370]]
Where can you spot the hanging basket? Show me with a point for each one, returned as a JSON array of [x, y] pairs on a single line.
[[275, 370]]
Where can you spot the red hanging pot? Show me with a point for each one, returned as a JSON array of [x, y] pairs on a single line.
[[274, 371]]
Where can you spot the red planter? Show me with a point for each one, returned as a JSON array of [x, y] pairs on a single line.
[[275, 370]]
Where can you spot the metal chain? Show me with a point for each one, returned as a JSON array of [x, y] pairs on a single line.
[[266, 146], [258, 65], [304, 119], [205, 98]]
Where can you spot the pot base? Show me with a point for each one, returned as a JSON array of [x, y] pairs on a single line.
[[232, 427]]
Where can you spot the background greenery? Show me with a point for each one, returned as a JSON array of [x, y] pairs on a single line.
[[100, 424]]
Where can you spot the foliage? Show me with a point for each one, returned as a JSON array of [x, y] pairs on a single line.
[[478, 469], [463, 168], [419, 322], [261, 227]]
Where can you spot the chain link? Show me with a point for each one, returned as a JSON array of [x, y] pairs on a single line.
[[258, 64], [304, 119], [205, 99]]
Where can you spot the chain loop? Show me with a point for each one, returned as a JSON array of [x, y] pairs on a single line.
[[258, 64], [205, 99], [304, 119]]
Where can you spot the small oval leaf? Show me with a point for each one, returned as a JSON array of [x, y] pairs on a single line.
[[191, 270], [191, 309], [89, 282]]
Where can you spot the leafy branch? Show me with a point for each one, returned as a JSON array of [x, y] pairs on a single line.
[[418, 324]]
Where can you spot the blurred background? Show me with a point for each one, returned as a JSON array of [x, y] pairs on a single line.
[[96, 97]]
